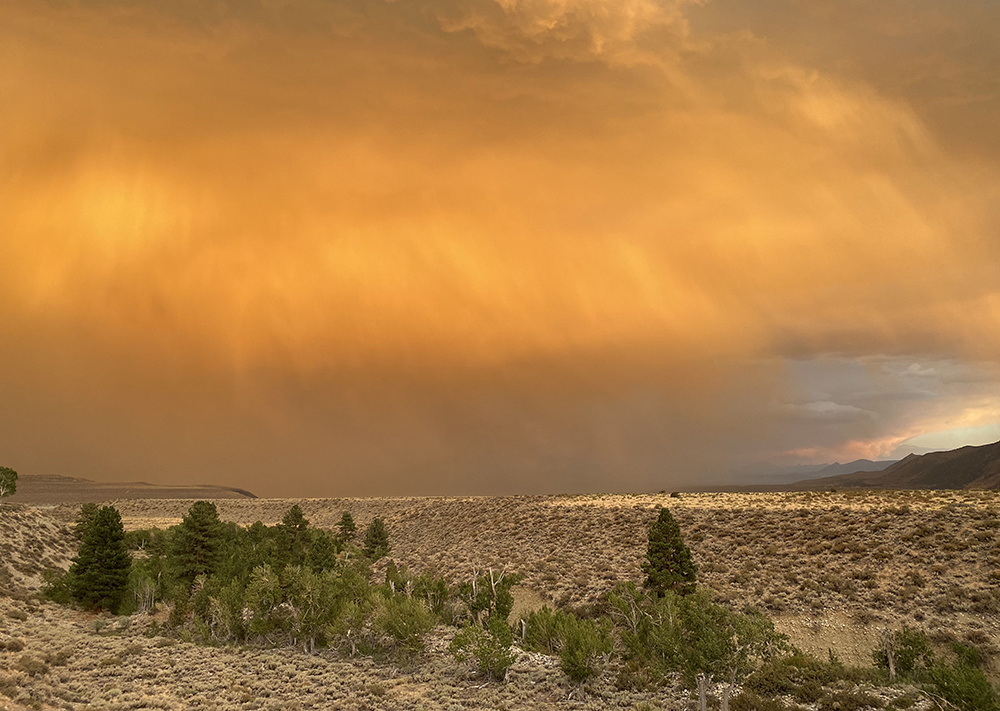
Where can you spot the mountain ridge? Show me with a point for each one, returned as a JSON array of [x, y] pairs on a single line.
[[969, 467]]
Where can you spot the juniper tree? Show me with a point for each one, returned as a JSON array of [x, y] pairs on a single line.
[[99, 575], [668, 564]]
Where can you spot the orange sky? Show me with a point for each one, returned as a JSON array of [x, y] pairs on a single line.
[[369, 247]]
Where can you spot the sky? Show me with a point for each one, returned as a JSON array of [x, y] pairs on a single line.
[[424, 247]]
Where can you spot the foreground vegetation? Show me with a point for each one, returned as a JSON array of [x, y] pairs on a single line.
[[295, 585], [643, 642]]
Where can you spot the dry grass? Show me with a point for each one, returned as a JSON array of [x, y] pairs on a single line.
[[832, 568], [30, 542], [75, 661], [922, 556]]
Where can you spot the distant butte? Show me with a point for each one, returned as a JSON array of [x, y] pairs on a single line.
[[53, 489]]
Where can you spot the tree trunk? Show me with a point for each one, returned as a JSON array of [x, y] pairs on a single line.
[[890, 654], [702, 692]]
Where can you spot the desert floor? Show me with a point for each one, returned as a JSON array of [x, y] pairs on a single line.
[[832, 569]]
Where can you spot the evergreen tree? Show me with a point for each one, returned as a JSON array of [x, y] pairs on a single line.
[[195, 542], [668, 564], [99, 574], [84, 517], [347, 529], [294, 534], [8, 481], [322, 552], [376, 540]]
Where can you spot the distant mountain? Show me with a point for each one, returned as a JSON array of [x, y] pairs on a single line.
[[791, 473], [963, 468], [858, 465], [53, 489]]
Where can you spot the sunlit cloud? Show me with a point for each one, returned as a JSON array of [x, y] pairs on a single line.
[[564, 244]]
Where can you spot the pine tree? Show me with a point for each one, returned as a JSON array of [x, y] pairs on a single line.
[[294, 533], [376, 540], [99, 575], [668, 564], [347, 529], [84, 518], [195, 543]]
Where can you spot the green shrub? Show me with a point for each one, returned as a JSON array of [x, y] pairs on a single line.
[[965, 686], [583, 641], [854, 700], [490, 648], [691, 634], [8, 481], [634, 675], [750, 701], [403, 621], [809, 692], [543, 631], [58, 659], [911, 651], [488, 596]]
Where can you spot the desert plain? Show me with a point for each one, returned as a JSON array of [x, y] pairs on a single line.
[[833, 570]]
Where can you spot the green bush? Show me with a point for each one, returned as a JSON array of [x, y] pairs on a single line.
[[8, 482], [403, 622], [490, 648], [691, 634], [31, 666], [543, 631], [583, 641], [911, 651], [849, 701], [750, 701], [488, 596], [963, 684], [802, 674]]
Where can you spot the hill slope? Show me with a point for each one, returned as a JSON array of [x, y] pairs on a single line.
[[963, 468], [30, 542]]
